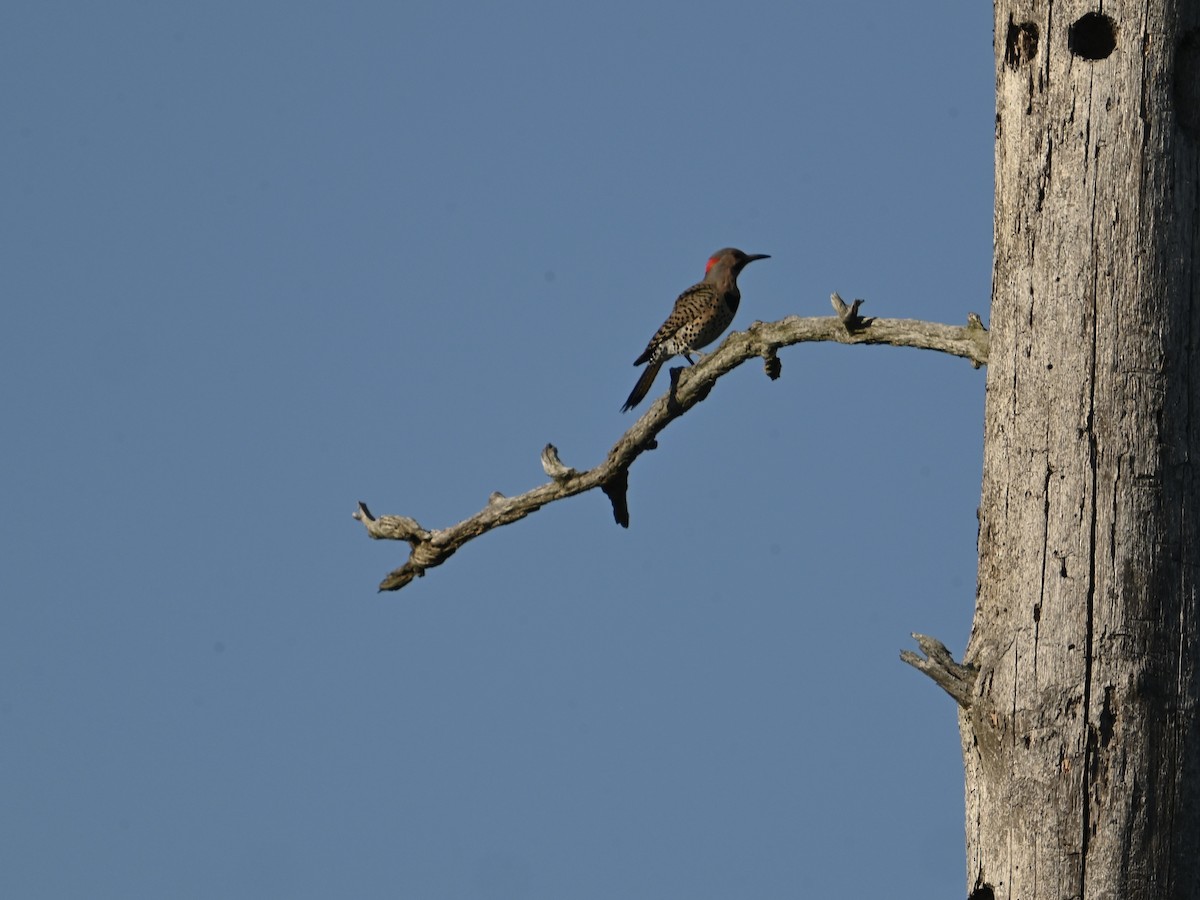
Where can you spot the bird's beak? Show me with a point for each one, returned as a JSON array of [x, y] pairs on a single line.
[[753, 256]]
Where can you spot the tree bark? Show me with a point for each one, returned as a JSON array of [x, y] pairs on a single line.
[[1080, 740]]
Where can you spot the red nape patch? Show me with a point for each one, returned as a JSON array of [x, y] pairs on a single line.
[[711, 262]]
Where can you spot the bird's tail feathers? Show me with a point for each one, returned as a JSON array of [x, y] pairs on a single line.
[[642, 388]]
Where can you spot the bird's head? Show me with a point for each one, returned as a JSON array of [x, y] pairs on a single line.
[[731, 260]]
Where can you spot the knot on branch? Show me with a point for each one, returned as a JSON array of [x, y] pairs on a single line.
[[426, 555], [771, 364]]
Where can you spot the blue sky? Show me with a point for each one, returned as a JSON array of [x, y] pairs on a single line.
[[264, 260]]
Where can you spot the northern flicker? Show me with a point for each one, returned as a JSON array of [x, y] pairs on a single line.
[[701, 313]]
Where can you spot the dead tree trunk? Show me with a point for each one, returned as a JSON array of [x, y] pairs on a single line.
[[1080, 738]]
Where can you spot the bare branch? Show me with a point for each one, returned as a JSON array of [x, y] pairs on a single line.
[[954, 678], [969, 341], [689, 385]]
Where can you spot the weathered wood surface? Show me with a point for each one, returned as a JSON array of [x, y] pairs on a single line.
[[1081, 739]]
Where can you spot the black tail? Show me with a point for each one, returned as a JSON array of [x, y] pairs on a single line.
[[642, 388]]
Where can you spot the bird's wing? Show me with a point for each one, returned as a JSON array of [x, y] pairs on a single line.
[[683, 312]]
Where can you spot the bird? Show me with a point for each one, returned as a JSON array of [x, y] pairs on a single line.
[[700, 314]]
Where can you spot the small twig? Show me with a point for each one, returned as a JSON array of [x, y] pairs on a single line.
[[554, 467], [954, 678], [688, 387], [849, 314], [392, 528]]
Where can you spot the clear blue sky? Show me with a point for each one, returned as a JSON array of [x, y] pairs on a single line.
[[264, 260]]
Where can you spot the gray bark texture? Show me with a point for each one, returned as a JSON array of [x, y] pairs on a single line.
[[1080, 737]]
